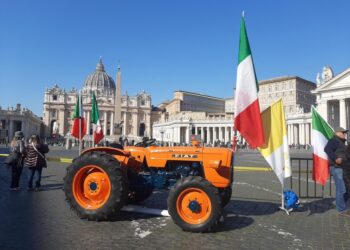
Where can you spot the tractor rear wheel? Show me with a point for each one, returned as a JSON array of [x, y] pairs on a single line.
[[194, 204], [226, 196], [94, 186]]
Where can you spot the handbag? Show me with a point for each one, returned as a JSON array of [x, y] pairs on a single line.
[[12, 159], [45, 162]]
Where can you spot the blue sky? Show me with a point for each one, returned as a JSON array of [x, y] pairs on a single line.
[[162, 45]]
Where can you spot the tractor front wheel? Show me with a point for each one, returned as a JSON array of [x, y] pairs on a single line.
[[194, 204], [94, 186]]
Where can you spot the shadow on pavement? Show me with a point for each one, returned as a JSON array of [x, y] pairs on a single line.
[[50, 187], [251, 207], [316, 206]]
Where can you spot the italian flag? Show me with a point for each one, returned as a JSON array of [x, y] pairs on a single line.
[[78, 120], [321, 134], [247, 110], [95, 120]]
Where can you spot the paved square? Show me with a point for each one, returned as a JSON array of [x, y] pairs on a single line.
[[43, 220]]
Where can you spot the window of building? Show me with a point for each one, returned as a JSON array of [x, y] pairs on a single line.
[[54, 97]]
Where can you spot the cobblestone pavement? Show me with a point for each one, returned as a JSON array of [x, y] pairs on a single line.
[[43, 220]]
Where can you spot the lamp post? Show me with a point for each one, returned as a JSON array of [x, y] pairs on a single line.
[[162, 135]]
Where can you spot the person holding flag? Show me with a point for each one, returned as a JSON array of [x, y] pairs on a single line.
[[336, 151], [247, 120]]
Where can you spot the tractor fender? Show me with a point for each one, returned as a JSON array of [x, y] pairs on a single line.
[[108, 150], [122, 156]]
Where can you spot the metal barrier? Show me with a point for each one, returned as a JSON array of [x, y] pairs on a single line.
[[303, 171]]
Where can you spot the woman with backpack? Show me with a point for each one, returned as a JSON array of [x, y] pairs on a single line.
[[35, 161], [16, 159]]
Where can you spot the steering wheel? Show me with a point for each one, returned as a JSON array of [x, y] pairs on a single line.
[[149, 142], [145, 143]]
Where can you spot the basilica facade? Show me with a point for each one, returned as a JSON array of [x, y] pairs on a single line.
[[120, 115]]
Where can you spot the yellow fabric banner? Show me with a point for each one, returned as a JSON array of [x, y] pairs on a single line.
[[276, 150]]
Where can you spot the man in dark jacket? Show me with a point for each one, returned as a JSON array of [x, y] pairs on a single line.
[[336, 151], [346, 174]]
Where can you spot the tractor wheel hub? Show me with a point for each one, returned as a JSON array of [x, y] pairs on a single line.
[[194, 206]]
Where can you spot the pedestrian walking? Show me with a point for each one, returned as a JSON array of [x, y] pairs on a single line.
[[336, 151], [16, 162], [35, 161]]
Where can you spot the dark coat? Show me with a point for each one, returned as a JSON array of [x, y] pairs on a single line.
[[346, 170], [335, 148], [33, 159]]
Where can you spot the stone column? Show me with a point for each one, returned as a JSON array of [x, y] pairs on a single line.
[[105, 122], [61, 121], [214, 134], [300, 134], [208, 134], [297, 132], [342, 113], [308, 133], [230, 134], [323, 110], [227, 131], [202, 134], [288, 131], [148, 125], [292, 134], [11, 132], [135, 124], [88, 122], [220, 134], [178, 134], [111, 124], [125, 124]]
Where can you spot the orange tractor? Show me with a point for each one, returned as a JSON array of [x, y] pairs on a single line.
[[102, 180]]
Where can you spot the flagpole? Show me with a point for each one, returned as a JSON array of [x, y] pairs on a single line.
[[80, 146]]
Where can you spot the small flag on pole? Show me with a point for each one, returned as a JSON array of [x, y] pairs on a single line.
[[321, 134], [79, 125], [247, 120], [95, 120]]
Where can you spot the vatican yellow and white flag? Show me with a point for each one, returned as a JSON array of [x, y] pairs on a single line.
[[276, 150]]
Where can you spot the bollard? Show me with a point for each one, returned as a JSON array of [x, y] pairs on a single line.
[[68, 143]]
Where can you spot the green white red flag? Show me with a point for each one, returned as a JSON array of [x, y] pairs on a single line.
[[321, 133], [248, 120], [79, 124], [95, 120]]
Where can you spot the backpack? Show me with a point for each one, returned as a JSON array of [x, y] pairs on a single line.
[[291, 199]]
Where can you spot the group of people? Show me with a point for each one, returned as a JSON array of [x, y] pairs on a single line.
[[29, 155], [339, 160]]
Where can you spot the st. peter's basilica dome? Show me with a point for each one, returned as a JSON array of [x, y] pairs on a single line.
[[99, 81]]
